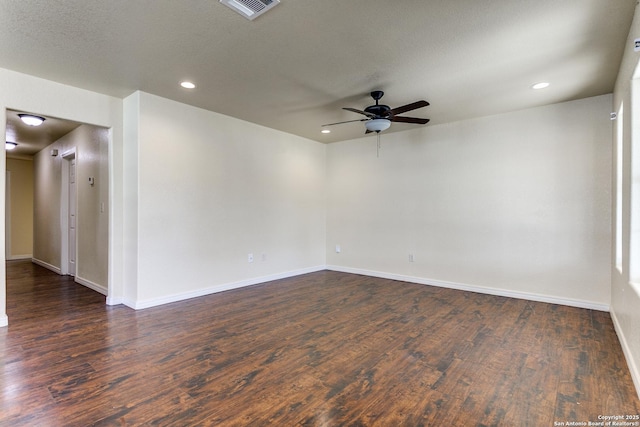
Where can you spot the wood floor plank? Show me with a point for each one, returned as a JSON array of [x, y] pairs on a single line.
[[321, 349]]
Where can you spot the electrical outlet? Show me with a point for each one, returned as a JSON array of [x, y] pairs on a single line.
[[411, 258], [250, 257], [338, 249], [264, 256]]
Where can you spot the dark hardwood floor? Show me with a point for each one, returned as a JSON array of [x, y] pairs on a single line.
[[323, 349]]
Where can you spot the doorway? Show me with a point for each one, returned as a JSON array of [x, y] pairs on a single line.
[[70, 196], [98, 114]]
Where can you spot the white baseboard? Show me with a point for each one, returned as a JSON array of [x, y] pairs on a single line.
[[19, 257], [633, 367], [114, 300], [153, 302], [84, 282], [4, 321], [91, 285], [46, 265], [142, 304], [473, 288]]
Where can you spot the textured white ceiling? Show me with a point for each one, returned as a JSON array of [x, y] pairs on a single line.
[[293, 68]]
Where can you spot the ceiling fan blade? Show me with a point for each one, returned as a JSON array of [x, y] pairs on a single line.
[[408, 107], [353, 110], [348, 121], [415, 120]]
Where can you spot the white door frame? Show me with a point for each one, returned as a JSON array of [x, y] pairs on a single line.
[[67, 156]]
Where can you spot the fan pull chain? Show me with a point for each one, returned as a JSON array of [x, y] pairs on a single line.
[[378, 153]]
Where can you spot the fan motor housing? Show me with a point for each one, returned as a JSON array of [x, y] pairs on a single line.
[[378, 110]]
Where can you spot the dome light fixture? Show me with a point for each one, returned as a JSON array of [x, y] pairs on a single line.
[[377, 125], [10, 145], [325, 131], [188, 85], [31, 120]]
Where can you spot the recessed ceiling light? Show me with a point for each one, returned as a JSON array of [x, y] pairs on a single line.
[[187, 85], [10, 145], [540, 85], [325, 131], [31, 120]]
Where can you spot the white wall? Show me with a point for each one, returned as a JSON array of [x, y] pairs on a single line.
[[90, 144], [46, 203], [514, 204], [131, 119], [207, 190], [26, 93], [625, 304]]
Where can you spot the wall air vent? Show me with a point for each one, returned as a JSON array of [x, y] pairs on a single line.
[[250, 9]]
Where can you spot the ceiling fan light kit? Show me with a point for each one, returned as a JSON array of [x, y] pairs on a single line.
[[377, 125]]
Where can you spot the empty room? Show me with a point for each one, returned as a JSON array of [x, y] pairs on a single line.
[[262, 212]]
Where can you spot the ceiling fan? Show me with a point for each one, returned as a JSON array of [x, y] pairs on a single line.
[[379, 116]]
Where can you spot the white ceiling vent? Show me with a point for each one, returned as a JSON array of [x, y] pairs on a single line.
[[250, 9]]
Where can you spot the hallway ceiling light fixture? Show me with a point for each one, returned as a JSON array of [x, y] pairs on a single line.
[[31, 120], [187, 85], [10, 145]]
